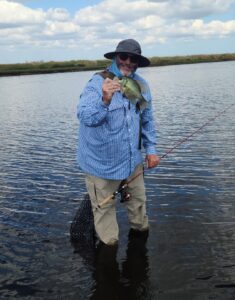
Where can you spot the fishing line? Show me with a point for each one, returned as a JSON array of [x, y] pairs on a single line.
[[122, 187], [194, 132]]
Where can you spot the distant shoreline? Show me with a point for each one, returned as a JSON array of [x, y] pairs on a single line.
[[32, 68]]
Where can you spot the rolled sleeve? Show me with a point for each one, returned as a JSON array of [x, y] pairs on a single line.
[[91, 109]]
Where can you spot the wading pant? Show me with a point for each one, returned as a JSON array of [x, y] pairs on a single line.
[[105, 220]]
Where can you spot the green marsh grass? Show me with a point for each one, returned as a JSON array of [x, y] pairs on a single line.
[[85, 65]]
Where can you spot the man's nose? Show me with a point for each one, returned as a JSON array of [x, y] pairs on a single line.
[[128, 60]]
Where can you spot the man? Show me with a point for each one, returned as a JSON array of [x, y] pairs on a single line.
[[109, 138]]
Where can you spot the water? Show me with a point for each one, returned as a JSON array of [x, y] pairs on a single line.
[[190, 251]]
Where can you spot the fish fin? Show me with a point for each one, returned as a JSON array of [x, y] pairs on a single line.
[[116, 79]]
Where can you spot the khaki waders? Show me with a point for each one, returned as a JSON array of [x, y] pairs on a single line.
[[105, 219]]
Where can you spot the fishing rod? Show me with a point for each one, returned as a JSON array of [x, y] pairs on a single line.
[[194, 132], [126, 183]]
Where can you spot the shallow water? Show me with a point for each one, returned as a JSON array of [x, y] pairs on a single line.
[[190, 252]]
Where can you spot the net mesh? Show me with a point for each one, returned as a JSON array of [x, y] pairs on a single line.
[[82, 227]]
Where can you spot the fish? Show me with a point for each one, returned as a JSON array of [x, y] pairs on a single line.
[[132, 90]]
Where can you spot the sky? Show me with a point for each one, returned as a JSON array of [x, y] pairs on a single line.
[[56, 30]]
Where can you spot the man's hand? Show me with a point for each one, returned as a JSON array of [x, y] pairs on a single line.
[[109, 87], [152, 160]]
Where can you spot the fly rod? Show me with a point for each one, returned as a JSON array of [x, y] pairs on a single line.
[[122, 187]]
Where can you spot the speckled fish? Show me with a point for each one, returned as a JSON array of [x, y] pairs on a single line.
[[132, 89]]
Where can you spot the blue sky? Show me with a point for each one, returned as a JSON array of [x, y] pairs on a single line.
[[45, 30], [70, 5]]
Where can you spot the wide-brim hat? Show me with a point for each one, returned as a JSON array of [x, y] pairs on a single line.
[[129, 46]]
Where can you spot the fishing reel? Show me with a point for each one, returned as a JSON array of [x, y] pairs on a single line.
[[125, 196]]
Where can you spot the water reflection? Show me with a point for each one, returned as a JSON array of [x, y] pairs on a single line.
[[127, 281], [135, 268], [106, 274]]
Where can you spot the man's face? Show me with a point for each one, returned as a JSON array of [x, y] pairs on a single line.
[[127, 63]]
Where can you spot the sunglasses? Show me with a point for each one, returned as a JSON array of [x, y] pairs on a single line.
[[133, 58]]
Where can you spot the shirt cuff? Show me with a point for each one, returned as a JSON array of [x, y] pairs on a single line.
[[151, 150], [103, 105]]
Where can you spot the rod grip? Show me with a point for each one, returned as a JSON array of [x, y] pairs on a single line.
[[106, 200]]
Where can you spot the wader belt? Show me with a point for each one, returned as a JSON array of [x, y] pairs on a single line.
[[106, 74]]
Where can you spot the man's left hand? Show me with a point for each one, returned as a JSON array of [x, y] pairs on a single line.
[[152, 160]]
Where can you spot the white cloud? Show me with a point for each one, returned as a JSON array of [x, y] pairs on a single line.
[[151, 22], [60, 28], [109, 12], [58, 14], [213, 28], [198, 8], [15, 14], [15, 1], [198, 28], [20, 1]]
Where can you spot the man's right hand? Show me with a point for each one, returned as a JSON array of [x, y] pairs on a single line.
[[109, 87]]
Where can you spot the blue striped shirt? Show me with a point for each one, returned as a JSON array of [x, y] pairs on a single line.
[[108, 142]]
